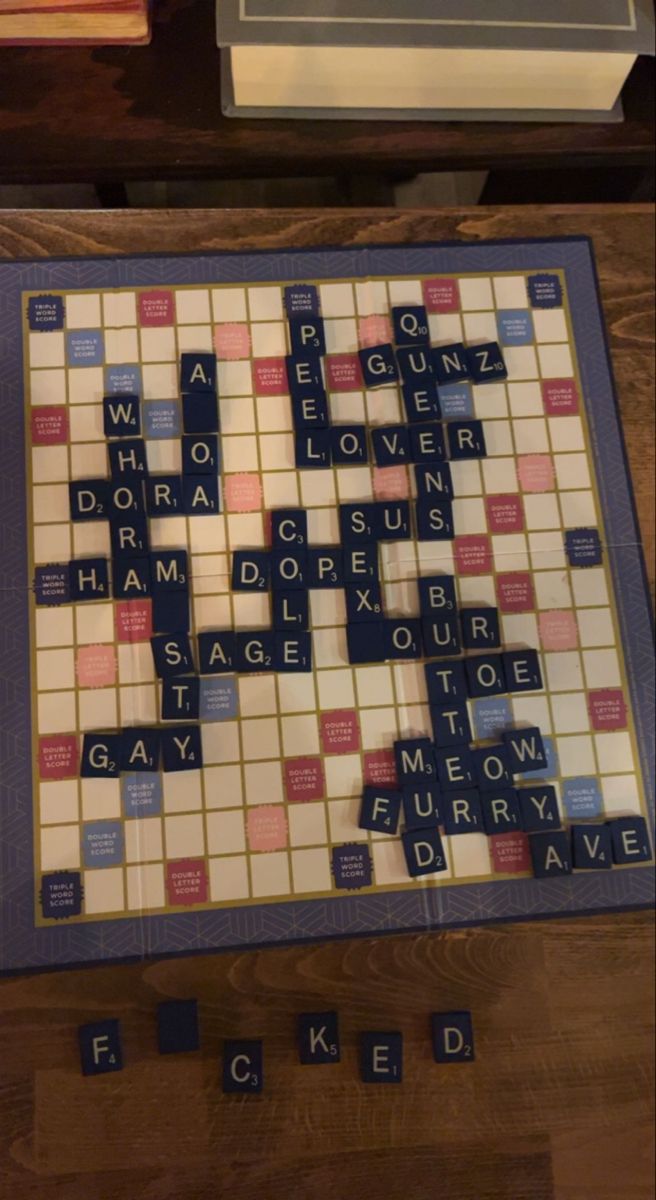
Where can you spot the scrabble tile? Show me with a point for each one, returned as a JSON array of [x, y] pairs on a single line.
[[526, 750], [200, 454], [380, 810], [216, 652], [592, 847], [177, 1027], [200, 495], [437, 595], [453, 1037], [445, 681], [434, 520], [491, 768], [89, 499], [89, 579], [289, 570], [422, 806], [550, 854], [169, 571], [391, 445], [360, 563], [415, 363], [424, 852], [181, 748], [312, 449], [450, 363], [304, 374], [100, 1047], [539, 808], [325, 567], [291, 610], [434, 481], [121, 416], [307, 335], [466, 440], [180, 698], [480, 628], [292, 653], [289, 528], [402, 638], [243, 1067], [410, 324], [379, 367], [128, 536], [310, 412], [251, 570], [127, 459], [415, 761], [364, 603], [462, 812], [318, 1038], [381, 1057], [441, 636], [357, 523], [392, 521], [164, 495], [501, 812], [485, 675], [451, 725], [140, 749], [254, 652], [455, 768], [127, 497], [486, 363], [170, 612], [172, 654], [427, 443], [521, 670], [200, 413], [365, 643], [197, 372], [349, 444], [101, 756], [630, 840], [421, 401]]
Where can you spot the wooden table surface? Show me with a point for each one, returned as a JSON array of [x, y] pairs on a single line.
[[558, 1105], [109, 114]]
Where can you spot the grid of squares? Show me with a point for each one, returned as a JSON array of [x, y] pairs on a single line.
[[236, 814]]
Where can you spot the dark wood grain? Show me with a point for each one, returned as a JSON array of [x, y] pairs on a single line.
[[117, 113], [558, 1105]]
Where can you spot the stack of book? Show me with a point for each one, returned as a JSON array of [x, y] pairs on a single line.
[[431, 59], [55, 22]]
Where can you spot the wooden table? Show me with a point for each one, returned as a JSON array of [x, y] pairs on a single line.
[[558, 1103], [111, 114]]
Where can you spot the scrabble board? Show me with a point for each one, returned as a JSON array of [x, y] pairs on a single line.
[[286, 825]]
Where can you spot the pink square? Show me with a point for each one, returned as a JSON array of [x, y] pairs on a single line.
[[472, 554], [267, 827], [560, 397], [558, 630], [243, 493], [186, 882], [391, 483], [59, 757], [156, 308], [304, 780], [96, 666], [232, 341], [511, 854], [504, 514], [270, 377], [441, 295], [535, 473], [515, 592], [134, 620], [340, 732], [344, 373], [49, 426], [380, 769], [607, 709], [375, 330]]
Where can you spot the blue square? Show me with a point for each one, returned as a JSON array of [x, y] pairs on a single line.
[[200, 413], [437, 594], [102, 844], [172, 654], [52, 584], [393, 521], [141, 795], [427, 443], [218, 700], [453, 1037], [170, 612], [360, 563], [200, 454], [291, 610], [545, 291], [88, 579], [349, 445], [381, 1057], [592, 848], [180, 698], [434, 481], [127, 459], [379, 366], [130, 578], [501, 811], [197, 372], [61, 895], [251, 570], [551, 854], [380, 810], [515, 326], [630, 840], [139, 749], [455, 768], [310, 412], [402, 638], [100, 1047], [121, 416], [415, 760], [485, 675], [254, 652], [451, 726], [289, 528], [325, 567], [162, 420], [216, 652], [365, 643], [289, 570], [85, 348], [243, 1067], [164, 496], [434, 520], [312, 449], [463, 812], [177, 1027], [424, 852], [101, 756], [492, 717], [583, 548], [410, 325], [480, 628], [422, 806], [89, 499], [351, 867], [123, 380], [307, 335], [456, 401], [486, 363], [582, 799], [301, 298], [200, 495], [526, 752], [450, 363], [421, 401], [45, 313], [182, 749], [292, 652], [466, 440], [364, 603], [304, 374], [492, 768], [441, 636], [391, 445], [522, 672], [445, 682], [414, 362], [318, 1038], [357, 523], [539, 808], [169, 571]]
